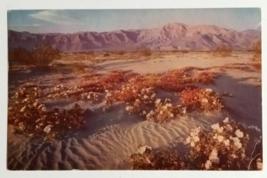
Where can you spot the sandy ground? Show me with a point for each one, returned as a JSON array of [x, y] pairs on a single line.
[[112, 137]]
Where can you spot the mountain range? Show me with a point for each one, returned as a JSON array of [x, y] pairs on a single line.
[[173, 36]]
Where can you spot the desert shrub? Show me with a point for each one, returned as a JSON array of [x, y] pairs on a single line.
[[78, 67], [223, 50], [112, 80], [206, 100], [32, 118], [75, 92], [175, 80], [120, 52], [222, 148], [40, 56], [256, 48], [21, 55], [163, 112], [257, 65], [146, 52], [205, 77], [146, 159], [106, 54]]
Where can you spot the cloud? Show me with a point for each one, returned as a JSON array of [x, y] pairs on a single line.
[[53, 17], [26, 25]]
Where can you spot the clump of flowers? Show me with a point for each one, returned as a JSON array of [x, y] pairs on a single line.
[[204, 99], [32, 118], [146, 158], [206, 77], [175, 80], [164, 111], [222, 148]]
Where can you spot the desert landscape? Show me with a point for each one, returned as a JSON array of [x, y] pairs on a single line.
[[177, 97]]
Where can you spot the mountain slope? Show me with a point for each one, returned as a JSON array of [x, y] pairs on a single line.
[[174, 36]]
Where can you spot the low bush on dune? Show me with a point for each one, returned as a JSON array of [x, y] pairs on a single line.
[[206, 100], [176, 81], [41, 56], [223, 50], [120, 52], [206, 78], [222, 148], [257, 66], [146, 51], [32, 118], [74, 92], [256, 48], [106, 54]]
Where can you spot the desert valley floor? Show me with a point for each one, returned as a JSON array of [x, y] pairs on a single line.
[[111, 137]]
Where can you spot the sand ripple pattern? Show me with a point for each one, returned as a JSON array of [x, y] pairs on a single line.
[[106, 147]]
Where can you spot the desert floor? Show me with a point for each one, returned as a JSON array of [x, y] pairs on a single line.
[[111, 137]]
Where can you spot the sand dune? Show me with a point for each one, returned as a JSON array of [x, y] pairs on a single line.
[[111, 137]]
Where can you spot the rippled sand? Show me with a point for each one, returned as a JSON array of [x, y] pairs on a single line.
[[111, 137]]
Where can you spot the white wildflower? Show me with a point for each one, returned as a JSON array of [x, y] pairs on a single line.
[[171, 115], [192, 144], [239, 133], [215, 126], [238, 144], [158, 101], [169, 105], [145, 97], [23, 109], [47, 129], [220, 138], [195, 138], [141, 150], [184, 110], [188, 140], [226, 142], [25, 100], [205, 100], [233, 156], [214, 156], [220, 130], [44, 109], [259, 165], [215, 136], [208, 164], [228, 127], [144, 112], [226, 120], [209, 90]]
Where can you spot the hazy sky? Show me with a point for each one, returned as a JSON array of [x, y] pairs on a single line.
[[69, 21]]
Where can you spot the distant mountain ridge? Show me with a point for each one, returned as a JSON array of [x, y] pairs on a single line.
[[173, 36]]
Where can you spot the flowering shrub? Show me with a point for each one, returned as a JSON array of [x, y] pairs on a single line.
[[223, 148], [205, 77], [175, 80], [76, 92], [164, 111], [30, 117], [145, 159], [197, 98]]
